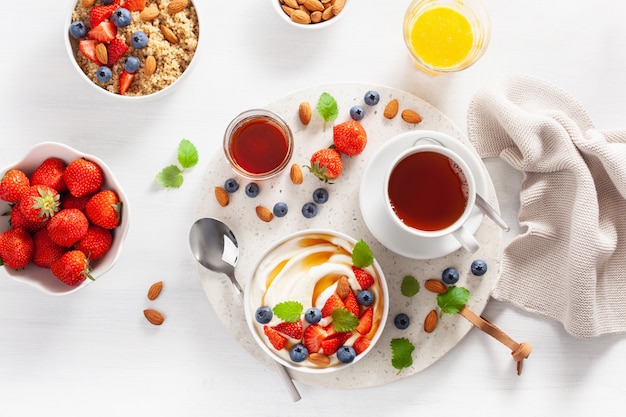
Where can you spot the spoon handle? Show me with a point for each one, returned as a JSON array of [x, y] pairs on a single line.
[[491, 213]]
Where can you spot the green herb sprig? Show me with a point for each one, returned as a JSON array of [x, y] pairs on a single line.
[[172, 175]]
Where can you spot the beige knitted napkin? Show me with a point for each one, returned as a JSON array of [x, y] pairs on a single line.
[[570, 264]]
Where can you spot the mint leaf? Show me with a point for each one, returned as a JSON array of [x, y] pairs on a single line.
[[289, 311], [362, 255], [453, 300], [410, 286], [401, 350], [344, 320], [170, 177], [327, 108], [187, 154]]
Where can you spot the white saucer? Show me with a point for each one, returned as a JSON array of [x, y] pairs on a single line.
[[390, 234]]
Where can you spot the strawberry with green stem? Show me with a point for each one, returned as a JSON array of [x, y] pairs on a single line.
[[72, 268], [39, 203], [104, 209], [326, 164]]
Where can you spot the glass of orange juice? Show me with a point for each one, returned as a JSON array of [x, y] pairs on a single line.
[[446, 35]]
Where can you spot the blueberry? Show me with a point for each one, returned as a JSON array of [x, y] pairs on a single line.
[[320, 196], [401, 321], [263, 314], [231, 185], [252, 189], [121, 17], [309, 210], [104, 74], [107, 2], [78, 30], [298, 353], [479, 267], [365, 298], [371, 98], [346, 354], [280, 209], [313, 315], [357, 112], [450, 276], [131, 64], [139, 40]]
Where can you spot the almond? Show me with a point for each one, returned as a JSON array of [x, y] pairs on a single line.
[[154, 317], [430, 322], [168, 34], [299, 16], [391, 109], [313, 5], [87, 3], [319, 359], [304, 112], [264, 214], [343, 287], [149, 13], [411, 116], [155, 290], [149, 66], [338, 6], [290, 3], [101, 53], [327, 13], [221, 195], [436, 286], [176, 6], [295, 173], [288, 10]]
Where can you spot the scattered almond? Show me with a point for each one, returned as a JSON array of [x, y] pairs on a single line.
[[176, 6], [222, 196], [154, 317], [87, 3], [149, 66], [168, 34], [411, 116], [295, 173], [319, 359], [155, 290], [430, 322], [343, 287], [391, 109], [304, 112], [149, 13], [264, 214], [436, 286], [101, 53], [300, 16]]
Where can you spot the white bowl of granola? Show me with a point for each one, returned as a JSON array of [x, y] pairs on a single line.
[[311, 14], [148, 45]]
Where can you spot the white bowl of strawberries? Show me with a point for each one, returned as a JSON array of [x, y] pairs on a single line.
[[67, 217]]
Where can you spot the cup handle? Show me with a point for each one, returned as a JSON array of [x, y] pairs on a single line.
[[467, 240]]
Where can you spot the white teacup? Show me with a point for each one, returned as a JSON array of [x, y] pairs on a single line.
[[430, 192]]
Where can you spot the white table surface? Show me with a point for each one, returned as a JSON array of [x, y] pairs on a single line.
[[93, 353]]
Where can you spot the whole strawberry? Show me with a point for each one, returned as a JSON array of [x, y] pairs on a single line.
[[326, 164], [104, 209], [67, 227], [13, 185], [349, 137], [83, 177], [72, 268], [46, 251], [17, 219], [16, 248], [39, 203], [96, 242], [50, 173]]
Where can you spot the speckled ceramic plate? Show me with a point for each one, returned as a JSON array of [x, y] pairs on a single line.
[[342, 213]]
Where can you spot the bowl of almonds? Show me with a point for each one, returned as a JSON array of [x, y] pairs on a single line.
[[311, 14], [132, 48]]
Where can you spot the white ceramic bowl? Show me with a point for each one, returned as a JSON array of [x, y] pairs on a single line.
[[42, 278], [304, 267], [71, 46], [311, 26]]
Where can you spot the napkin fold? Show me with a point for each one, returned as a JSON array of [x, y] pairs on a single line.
[[570, 263]]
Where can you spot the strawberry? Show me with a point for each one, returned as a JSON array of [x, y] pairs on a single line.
[[126, 79], [69, 201], [67, 227], [18, 219], [365, 321], [71, 268], [291, 329], [104, 209], [96, 242], [13, 185], [313, 337], [88, 48], [16, 248], [352, 304], [39, 203], [134, 5], [83, 177], [46, 251], [364, 278], [99, 14], [349, 137], [326, 164], [334, 342], [50, 173], [105, 32], [333, 302], [276, 339], [115, 50], [361, 344]]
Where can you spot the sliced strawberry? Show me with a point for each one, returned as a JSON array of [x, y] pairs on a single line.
[[276, 339], [88, 48], [99, 14], [352, 304], [134, 5], [361, 344], [293, 330], [116, 49], [365, 322], [105, 32], [364, 278], [126, 79], [333, 302], [334, 342], [313, 337]]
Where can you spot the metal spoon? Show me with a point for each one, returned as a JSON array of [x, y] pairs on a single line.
[[215, 247]]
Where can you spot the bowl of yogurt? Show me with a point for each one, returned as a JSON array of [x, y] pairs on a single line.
[[317, 301]]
